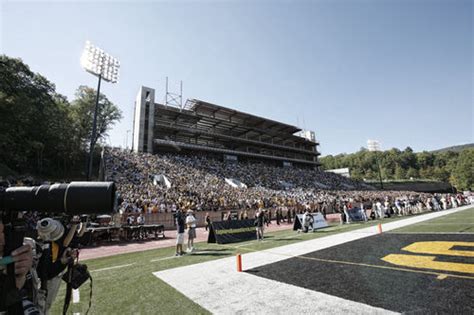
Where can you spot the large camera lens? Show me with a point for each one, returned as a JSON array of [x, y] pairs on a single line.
[[73, 198]]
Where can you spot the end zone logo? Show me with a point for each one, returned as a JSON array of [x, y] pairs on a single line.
[[429, 262]]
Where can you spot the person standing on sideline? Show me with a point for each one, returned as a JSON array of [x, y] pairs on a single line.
[[191, 224], [259, 223], [380, 210], [308, 222], [207, 220], [362, 211], [346, 213], [179, 232]]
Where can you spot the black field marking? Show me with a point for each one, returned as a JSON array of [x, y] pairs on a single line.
[[392, 289]]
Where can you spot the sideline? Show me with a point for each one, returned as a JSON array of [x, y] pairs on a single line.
[[447, 223], [164, 258], [113, 267], [217, 281], [464, 233]]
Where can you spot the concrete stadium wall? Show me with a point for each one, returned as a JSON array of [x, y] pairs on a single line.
[[428, 187]]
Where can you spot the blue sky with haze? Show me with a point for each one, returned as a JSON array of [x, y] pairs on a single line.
[[397, 71]]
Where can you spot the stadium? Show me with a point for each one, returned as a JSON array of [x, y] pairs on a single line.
[[222, 204], [210, 128], [368, 251], [225, 212]]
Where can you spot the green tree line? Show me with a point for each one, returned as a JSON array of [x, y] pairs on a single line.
[[41, 132], [457, 168]]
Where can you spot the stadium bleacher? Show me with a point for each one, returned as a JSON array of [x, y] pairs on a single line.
[[198, 182]]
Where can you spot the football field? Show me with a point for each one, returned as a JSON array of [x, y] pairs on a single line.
[[421, 263]]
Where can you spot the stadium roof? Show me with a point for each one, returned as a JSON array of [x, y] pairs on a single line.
[[232, 115]]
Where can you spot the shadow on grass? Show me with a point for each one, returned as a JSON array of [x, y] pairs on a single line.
[[218, 249], [105, 243], [288, 239], [209, 254], [468, 229]]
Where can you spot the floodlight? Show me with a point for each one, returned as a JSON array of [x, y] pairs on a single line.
[[97, 62], [373, 145]]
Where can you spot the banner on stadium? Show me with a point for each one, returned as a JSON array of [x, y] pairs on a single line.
[[232, 231], [318, 221], [355, 214]]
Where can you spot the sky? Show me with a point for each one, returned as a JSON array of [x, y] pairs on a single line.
[[397, 71]]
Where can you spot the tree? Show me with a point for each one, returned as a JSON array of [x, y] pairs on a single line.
[[463, 173], [425, 159], [35, 121], [440, 174], [40, 131], [412, 173], [83, 113], [445, 166], [400, 173]]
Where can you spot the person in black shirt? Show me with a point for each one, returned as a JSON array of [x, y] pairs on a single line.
[[259, 224], [179, 232], [208, 221]]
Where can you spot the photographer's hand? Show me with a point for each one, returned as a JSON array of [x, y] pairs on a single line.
[[69, 255], [23, 258]]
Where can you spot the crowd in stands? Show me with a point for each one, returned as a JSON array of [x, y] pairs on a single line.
[[198, 183]]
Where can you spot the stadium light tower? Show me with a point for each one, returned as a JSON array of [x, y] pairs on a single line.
[[97, 62], [374, 146]]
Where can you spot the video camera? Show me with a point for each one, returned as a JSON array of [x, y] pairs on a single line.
[[75, 198]]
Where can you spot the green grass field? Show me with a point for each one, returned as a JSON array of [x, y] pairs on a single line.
[[461, 222], [130, 287]]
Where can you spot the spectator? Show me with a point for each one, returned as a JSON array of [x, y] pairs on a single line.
[[207, 220], [179, 233], [191, 224], [198, 182], [259, 223]]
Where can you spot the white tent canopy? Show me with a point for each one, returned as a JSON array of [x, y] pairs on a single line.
[[235, 183], [161, 180]]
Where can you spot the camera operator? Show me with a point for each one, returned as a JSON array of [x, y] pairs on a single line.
[[30, 285], [57, 255], [23, 259]]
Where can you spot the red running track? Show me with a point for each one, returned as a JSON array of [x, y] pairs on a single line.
[[169, 241]]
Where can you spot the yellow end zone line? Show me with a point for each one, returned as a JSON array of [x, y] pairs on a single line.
[[439, 275]]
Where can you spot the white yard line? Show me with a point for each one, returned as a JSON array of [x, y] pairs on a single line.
[[113, 267], [219, 288], [75, 296], [164, 258], [464, 233], [187, 254], [447, 223]]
